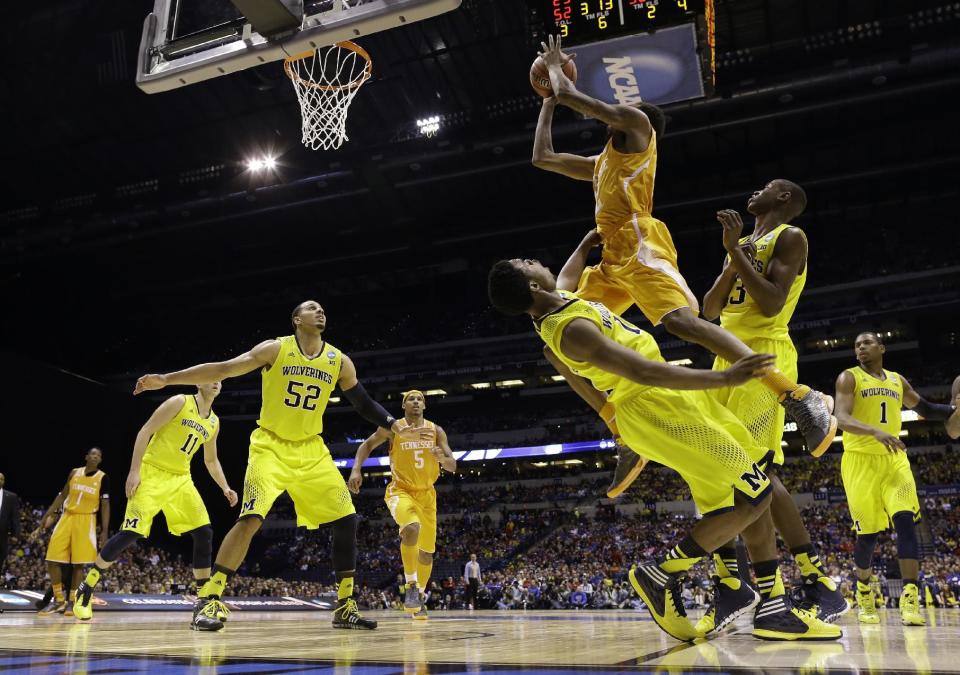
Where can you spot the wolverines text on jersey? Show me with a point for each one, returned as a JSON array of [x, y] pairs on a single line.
[[175, 443], [742, 316], [296, 390], [876, 402], [411, 461]]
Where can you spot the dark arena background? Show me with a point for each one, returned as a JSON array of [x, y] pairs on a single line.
[[160, 211]]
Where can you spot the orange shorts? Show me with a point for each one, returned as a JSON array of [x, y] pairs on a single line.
[[639, 267]]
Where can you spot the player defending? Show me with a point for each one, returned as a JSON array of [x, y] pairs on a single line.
[[417, 452], [662, 409], [74, 539], [298, 373], [755, 297], [639, 262], [876, 472], [159, 480]]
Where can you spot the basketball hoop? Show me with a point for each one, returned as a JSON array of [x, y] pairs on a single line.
[[326, 80]]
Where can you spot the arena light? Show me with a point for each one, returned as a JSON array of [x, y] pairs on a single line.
[[904, 433], [480, 385], [333, 399], [265, 163], [909, 415], [510, 383], [435, 392], [429, 126], [558, 378], [681, 362]]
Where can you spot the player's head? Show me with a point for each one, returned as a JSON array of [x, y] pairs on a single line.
[[658, 120], [93, 457], [473, 557], [308, 316], [780, 195], [413, 402], [210, 390], [869, 348], [512, 284]]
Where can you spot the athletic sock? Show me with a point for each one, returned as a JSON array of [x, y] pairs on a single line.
[[93, 577], [725, 563], [608, 414], [199, 584], [215, 586], [345, 588], [683, 556], [408, 555], [775, 380], [58, 593], [72, 595], [423, 573], [769, 582], [808, 560]]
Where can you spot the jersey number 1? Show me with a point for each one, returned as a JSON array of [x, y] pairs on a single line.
[[883, 412]]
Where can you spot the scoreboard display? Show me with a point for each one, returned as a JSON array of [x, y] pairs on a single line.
[[581, 21]]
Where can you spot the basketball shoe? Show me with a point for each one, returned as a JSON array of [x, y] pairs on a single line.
[[422, 614], [732, 598], [411, 599], [822, 596], [777, 619], [205, 615], [346, 615], [55, 607], [660, 592], [629, 466], [910, 607], [809, 410], [866, 604], [83, 605]]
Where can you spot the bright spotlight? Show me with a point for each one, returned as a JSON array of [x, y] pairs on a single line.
[[429, 126], [261, 163], [269, 162], [255, 164]]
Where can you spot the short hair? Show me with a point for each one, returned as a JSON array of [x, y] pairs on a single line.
[[658, 120], [509, 288], [876, 336], [798, 197], [295, 313]]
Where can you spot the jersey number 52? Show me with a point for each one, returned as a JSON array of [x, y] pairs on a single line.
[[302, 395]]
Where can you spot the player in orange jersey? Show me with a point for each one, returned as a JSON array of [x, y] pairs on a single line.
[[639, 262], [417, 452]]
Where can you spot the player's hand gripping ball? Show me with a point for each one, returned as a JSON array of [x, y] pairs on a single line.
[[539, 75]]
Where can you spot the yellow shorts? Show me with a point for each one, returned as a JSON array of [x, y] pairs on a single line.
[[634, 272], [755, 404], [878, 487], [304, 469], [74, 539], [173, 493], [415, 506], [690, 432]]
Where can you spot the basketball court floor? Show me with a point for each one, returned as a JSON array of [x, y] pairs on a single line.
[[457, 642]]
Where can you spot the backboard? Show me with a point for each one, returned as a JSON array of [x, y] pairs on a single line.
[[189, 41]]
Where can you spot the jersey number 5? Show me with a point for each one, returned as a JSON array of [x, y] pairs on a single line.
[[418, 458], [302, 395]]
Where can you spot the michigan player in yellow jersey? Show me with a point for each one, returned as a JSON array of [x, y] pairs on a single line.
[[416, 454], [664, 410], [298, 373], [755, 295], [159, 480], [74, 539], [639, 260], [876, 472]]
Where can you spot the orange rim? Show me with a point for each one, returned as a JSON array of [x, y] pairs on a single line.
[[351, 46]]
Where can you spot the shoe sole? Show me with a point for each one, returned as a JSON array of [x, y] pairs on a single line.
[[868, 623], [646, 600], [353, 626], [205, 630], [827, 440], [736, 615], [411, 610], [776, 636], [830, 618], [615, 491], [420, 618]]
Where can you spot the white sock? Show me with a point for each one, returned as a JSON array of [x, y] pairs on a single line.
[[411, 577]]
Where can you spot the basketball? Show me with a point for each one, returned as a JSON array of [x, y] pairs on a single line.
[[540, 78]]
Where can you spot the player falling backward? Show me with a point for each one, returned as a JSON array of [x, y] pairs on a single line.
[[876, 472], [159, 480], [639, 262], [755, 297], [664, 410], [298, 373], [417, 451]]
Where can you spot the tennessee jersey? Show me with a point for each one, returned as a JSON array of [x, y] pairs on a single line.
[[550, 328], [623, 186], [175, 443], [412, 464], [876, 402], [296, 390], [742, 316], [84, 492]]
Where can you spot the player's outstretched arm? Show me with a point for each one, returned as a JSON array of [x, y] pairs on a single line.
[[716, 298], [843, 410], [211, 460], [583, 341], [365, 406], [163, 414], [926, 409], [569, 277], [544, 157], [443, 453], [261, 356], [953, 424], [376, 439]]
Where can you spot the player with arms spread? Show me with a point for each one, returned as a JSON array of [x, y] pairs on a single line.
[[639, 263], [417, 452], [876, 471], [298, 373]]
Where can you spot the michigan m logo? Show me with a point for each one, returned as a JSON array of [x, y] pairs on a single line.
[[130, 523], [755, 479], [248, 506]]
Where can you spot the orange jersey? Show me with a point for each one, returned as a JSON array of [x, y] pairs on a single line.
[[84, 493], [412, 464], [623, 187]]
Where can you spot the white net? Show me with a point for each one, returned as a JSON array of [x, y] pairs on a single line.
[[326, 80]]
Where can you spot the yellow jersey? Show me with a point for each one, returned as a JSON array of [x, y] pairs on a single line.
[[550, 328], [412, 464], [84, 491], [623, 185], [876, 402], [742, 316], [175, 443], [296, 390]]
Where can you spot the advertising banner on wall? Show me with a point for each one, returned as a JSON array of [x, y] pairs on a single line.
[[24, 601]]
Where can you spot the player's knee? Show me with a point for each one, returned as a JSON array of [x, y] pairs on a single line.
[[682, 324], [426, 558], [202, 546], [863, 550], [410, 534], [908, 547], [248, 525]]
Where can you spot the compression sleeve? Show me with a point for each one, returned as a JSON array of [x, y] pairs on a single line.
[[933, 411], [367, 408]]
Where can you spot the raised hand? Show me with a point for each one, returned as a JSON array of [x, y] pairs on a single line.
[[150, 383], [551, 54], [732, 228]]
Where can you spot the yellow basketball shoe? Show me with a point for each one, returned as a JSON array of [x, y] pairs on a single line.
[[777, 619], [660, 592], [910, 607], [866, 605], [83, 605]]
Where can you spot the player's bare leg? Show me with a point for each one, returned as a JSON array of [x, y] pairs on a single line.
[[804, 405]]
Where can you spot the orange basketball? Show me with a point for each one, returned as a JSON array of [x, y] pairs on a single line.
[[540, 78]]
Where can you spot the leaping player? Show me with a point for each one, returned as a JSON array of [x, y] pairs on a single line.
[[639, 262], [417, 451]]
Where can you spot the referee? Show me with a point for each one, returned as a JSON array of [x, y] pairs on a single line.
[[471, 575]]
